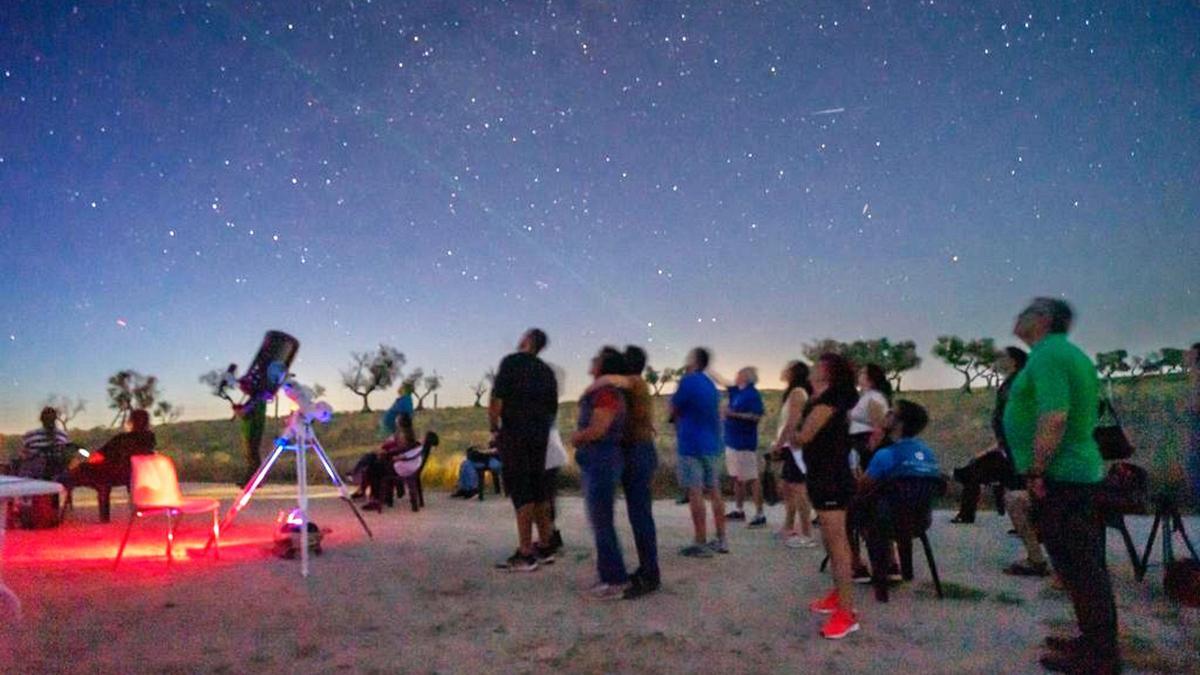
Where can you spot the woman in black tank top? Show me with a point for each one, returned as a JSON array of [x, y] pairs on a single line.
[[825, 438]]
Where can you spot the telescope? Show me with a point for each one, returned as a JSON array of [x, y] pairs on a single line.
[[270, 367]]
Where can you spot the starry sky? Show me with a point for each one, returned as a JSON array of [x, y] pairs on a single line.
[[177, 178]]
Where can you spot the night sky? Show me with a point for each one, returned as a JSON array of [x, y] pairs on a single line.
[[177, 178]]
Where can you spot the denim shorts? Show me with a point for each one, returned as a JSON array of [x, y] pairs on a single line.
[[699, 472]]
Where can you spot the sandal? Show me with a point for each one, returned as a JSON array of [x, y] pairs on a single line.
[[1026, 569]]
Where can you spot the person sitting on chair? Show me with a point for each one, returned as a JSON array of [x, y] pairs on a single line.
[[408, 466], [471, 470], [379, 479], [994, 464], [880, 508], [41, 454], [111, 466]]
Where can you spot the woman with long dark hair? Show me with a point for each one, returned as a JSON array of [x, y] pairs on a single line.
[[992, 465], [866, 418], [825, 437], [797, 524]]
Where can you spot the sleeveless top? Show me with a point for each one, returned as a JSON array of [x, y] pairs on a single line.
[[860, 421], [828, 453], [783, 416]]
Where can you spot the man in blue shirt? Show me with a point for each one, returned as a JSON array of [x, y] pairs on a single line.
[[741, 444], [695, 410]]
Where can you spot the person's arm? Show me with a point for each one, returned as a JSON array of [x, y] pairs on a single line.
[[813, 424], [602, 419], [618, 381], [793, 407], [1053, 391], [495, 406], [876, 412]]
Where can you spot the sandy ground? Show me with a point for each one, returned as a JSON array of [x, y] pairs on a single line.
[[423, 597]]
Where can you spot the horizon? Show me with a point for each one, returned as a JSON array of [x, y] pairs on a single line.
[[178, 180]]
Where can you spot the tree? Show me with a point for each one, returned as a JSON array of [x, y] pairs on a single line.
[[65, 407], [814, 350], [1142, 366], [372, 371], [971, 358], [425, 385], [479, 389], [220, 382], [129, 389], [166, 412], [895, 359], [1172, 360], [1108, 364], [657, 379]]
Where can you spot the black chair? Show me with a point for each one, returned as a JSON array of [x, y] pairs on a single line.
[[412, 483], [899, 510], [481, 460]]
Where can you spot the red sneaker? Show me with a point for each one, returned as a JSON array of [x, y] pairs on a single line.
[[841, 624], [826, 605]]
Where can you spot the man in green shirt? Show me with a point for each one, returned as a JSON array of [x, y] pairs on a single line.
[[1051, 414]]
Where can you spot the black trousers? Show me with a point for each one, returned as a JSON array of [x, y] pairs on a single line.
[[992, 467], [1072, 529]]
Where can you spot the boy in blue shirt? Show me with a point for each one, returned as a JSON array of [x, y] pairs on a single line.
[[883, 503]]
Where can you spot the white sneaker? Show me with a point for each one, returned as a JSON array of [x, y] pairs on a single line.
[[603, 591], [799, 541]]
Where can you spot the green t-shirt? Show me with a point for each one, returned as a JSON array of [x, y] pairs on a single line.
[[1058, 377]]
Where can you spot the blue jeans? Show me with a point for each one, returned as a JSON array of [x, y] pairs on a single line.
[[640, 463], [600, 469]]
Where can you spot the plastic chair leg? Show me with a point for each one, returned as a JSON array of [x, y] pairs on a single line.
[[170, 538], [937, 582], [216, 531], [1149, 546], [1183, 533], [1138, 572], [125, 539]]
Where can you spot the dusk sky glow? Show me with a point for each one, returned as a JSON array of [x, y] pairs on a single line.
[[178, 178]]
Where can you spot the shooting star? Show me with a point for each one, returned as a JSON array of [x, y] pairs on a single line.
[[830, 111]]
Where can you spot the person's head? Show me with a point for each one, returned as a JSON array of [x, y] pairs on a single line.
[[871, 377], [407, 387], [139, 420], [533, 341], [635, 360], [795, 376], [1011, 361], [697, 360], [431, 440], [835, 372], [1042, 317], [48, 417], [905, 420], [608, 361], [746, 377]]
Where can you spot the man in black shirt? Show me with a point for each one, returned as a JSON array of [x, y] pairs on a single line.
[[522, 409]]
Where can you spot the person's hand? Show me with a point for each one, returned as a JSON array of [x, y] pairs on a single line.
[[1037, 487]]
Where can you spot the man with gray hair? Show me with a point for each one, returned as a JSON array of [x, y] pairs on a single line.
[[742, 416], [1049, 420]]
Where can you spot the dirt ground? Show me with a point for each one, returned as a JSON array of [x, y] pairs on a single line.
[[423, 597]]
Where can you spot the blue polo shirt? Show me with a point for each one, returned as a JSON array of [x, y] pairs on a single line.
[[697, 406], [743, 434], [906, 458]]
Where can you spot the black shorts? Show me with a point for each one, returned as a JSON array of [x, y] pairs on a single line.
[[791, 470], [830, 488], [523, 460]]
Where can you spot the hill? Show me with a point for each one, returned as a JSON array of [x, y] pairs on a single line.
[[1152, 410]]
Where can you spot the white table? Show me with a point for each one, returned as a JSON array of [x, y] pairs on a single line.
[[10, 487]]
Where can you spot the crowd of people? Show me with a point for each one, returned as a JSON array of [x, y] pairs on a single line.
[[846, 448]]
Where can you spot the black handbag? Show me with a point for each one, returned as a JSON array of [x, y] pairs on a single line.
[[1110, 435]]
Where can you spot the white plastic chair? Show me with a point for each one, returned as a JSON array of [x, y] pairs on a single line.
[[154, 489]]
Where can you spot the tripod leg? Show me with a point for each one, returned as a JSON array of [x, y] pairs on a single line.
[[248, 491], [326, 464], [1150, 544], [1183, 533]]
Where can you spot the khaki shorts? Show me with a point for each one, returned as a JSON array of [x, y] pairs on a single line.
[[741, 464]]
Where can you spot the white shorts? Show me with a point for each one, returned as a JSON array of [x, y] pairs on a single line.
[[741, 464]]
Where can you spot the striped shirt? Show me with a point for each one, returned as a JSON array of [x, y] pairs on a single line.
[[41, 441]]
